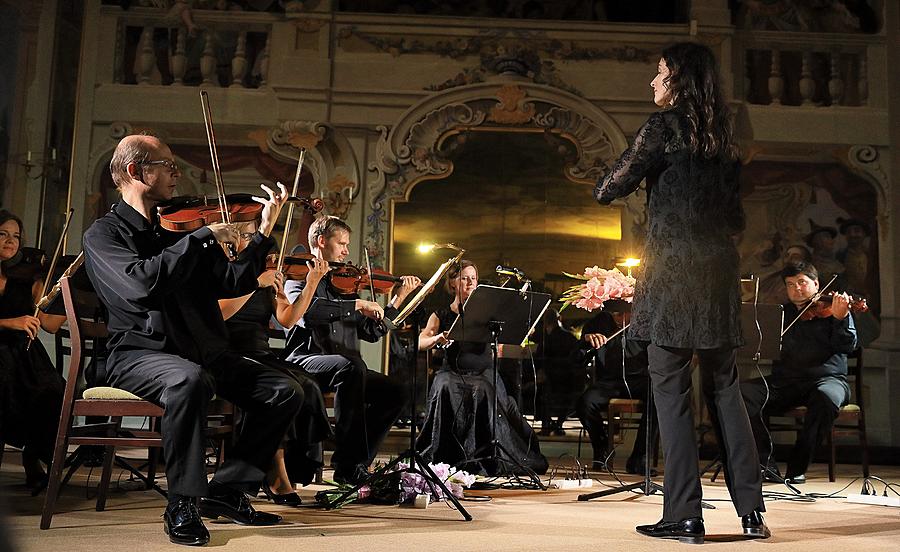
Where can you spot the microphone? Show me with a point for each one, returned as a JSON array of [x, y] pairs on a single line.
[[510, 271]]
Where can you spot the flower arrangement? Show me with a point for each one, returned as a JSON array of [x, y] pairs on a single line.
[[600, 285], [402, 485]]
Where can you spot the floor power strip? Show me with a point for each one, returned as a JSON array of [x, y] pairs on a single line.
[[875, 499], [572, 484]]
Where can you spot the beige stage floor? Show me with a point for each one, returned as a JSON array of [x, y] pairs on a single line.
[[512, 521]]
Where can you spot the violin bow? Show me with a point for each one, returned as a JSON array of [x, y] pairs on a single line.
[[54, 291], [290, 213], [217, 170], [371, 276], [812, 300], [429, 286], [59, 245]]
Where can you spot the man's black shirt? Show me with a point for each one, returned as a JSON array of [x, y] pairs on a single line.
[[331, 325], [161, 288]]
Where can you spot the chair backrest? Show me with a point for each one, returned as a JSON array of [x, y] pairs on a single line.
[[855, 371], [82, 306]]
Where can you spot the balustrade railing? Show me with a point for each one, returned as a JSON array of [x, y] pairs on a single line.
[[804, 69], [223, 49]]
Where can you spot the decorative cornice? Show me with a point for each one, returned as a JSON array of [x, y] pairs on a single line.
[[495, 42], [418, 147]]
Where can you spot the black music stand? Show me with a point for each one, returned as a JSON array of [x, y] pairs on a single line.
[[498, 315], [416, 462]]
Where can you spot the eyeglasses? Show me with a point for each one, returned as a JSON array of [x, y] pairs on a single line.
[[167, 163], [247, 236], [4, 235]]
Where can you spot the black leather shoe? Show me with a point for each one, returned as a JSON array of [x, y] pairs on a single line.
[[799, 479], [755, 526], [287, 499], [235, 506], [689, 530], [356, 475], [183, 524]]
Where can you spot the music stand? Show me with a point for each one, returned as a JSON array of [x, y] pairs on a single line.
[[416, 462], [498, 315]]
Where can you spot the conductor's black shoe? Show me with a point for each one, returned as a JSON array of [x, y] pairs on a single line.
[[183, 524], [235, 505], [755, 526], [689, 530], [354, 475]]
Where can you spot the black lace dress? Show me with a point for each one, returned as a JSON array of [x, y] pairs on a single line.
[[688, 289], [460, 413], [31, 389], [247, 333]]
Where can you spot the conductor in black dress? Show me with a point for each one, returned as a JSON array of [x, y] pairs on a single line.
[[687, 296], [168, 343]]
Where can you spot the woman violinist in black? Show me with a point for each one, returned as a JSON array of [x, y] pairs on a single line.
[[247, 319], [460, 410], [31, 389]]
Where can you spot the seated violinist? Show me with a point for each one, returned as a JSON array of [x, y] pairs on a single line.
[[168, 343], [247, 319], [812, 371], [31, 389], [324, 342], [460, 410]]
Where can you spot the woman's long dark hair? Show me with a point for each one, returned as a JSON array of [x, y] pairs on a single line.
[[695, 87]]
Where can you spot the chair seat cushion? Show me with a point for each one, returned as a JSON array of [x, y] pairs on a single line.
[[850, 408], [109, 393]]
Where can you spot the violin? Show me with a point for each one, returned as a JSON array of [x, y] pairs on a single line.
[[188, 213], [294, 267], [349, 279], [821, 307]]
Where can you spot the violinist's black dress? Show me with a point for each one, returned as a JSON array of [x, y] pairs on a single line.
[[303, 441], [461, 410], [31, 389]]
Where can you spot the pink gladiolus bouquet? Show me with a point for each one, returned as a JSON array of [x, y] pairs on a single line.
[[599, 286]]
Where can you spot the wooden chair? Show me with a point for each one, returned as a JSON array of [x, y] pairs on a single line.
[[851, 419], [108, 402]]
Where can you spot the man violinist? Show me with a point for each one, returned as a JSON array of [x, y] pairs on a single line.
[[325, 344], [168, 343], [812, 371]]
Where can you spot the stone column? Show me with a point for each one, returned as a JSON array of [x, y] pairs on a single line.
[[889, 342]]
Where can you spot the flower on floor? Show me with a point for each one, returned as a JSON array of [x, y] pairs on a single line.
[[402, 485], [413, 482], [600, 285]]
